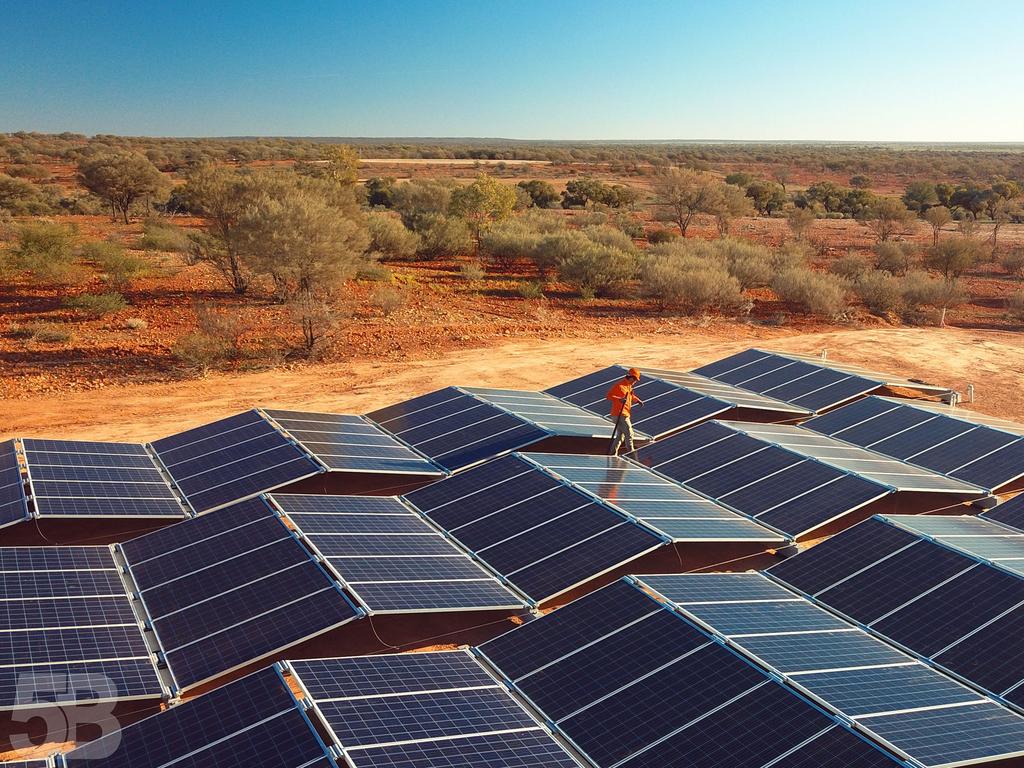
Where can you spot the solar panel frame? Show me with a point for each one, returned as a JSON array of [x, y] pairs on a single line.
[[558, 417], [13, 500]]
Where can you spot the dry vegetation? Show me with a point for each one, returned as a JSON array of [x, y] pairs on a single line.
[[149, 260]]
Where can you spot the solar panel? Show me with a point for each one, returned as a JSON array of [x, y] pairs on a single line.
[[1009, 513], [25, 764], [668, 405], [661, 504], [383, 581], [74, 479], [254, 722], [351, 444], [13, 505], [424, 709], [455, 429], [69, 633], [538, 533], [232, 459], [811, 382], [909, 580], [960, 444], [631, 683], [794, 493], [222, 594], [546, 411], [886, 693]]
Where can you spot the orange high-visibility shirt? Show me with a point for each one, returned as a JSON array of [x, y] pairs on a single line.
[[622, 397]]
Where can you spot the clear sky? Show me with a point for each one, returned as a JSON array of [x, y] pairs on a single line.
[[893, 70]]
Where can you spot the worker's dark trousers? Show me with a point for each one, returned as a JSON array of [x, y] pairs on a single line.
[[623, 433]]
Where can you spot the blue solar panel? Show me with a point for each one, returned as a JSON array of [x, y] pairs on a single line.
[[398, 673], [31, 586], [13, 507], [991, 657], [433, 497], [582, 621], [528, 749], [348, 443], [885, 689], [1009, 513], [843, 418], [994, 469], [83, 446], [826, 650], [957, 736], [252, 722], [765, 618], [232, 459], [816, 508], [837, 748], [78, 682], [229, 588], [589, 388]]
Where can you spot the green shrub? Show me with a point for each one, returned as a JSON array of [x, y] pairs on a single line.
[[118, 266], [444, 236], [1013, 262], [51, 333], [389, 300], [202, 351], [656, 236], [629, 225], [47, 250], [374, 272], [553, 249], [389, 238], [471, 271], [598, 270], [880, 291], [851, 266], [531, 290], [693, 287], [160, 235], [790, 255], [815, 293], [96, 304], [29, 171], [610, 236], [509, 241], [895, 258]]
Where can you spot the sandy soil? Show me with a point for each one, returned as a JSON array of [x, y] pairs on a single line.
[[992, 360]]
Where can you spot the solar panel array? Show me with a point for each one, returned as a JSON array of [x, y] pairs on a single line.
[[13, 505], [546, 411], [71, 478], [1009, 513], [981, 538], [390, 559], [809, 382], [949, 441], [69, 631], [351, 444], [455, 429], [232, 459], [667, 406], [941, 603], [229, 588], [790, 492], [254, 722], [661, 504], [541, 535], [631, 683], [918, 712], [424, 709]]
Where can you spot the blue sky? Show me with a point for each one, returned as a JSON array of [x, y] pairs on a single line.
[[903, 70]]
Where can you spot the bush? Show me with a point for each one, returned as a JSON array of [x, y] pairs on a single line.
[[531, 290], [552, 250], [47, 250], [389, 238], [201, 351], [693, 287], [657, 236], [96, 304], [51, 333], [752, 265], [851, 266], [509, 241], [444, 236], [629, 225], [136, 324], [598, 269], [791, 255], [471, 271], [614, 238], [815, 293], [159, 235], [374, 272], [1013, 262], [388, 300], [1015, 305], [895, 258], [880, 291], [118, 266]]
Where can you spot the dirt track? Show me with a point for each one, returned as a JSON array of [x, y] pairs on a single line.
[[993, 361]]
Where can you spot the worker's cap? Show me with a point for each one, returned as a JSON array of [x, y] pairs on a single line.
[[633, 373]]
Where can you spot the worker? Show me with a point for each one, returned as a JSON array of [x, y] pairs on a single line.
[[623, 400]]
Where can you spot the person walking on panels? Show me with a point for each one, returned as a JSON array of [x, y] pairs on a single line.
[[623, 399]]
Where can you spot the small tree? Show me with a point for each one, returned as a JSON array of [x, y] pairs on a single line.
[[800, 220], [684, 193], [121, 179], [860, 182], [221, 195], [937, 217], [483, 202], [542, 194], [731, 203], [887, 217], [341, 166], [1003, 211], [767, 196], [920, 196], [378, 191], [952, 257]]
